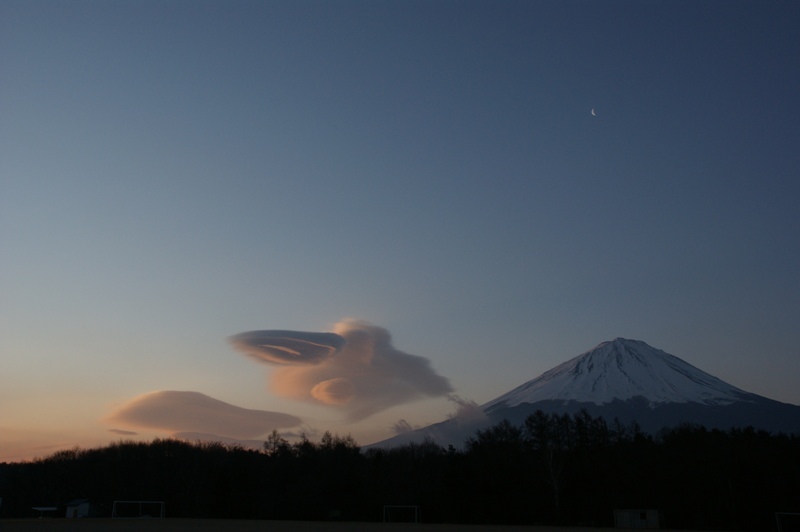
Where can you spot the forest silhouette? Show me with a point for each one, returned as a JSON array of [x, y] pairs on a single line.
[[554, 469]]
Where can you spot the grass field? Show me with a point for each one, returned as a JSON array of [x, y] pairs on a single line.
[[232, 525]]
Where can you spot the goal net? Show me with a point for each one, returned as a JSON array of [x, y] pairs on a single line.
[[400, 514], [788, 522], [137, 510]]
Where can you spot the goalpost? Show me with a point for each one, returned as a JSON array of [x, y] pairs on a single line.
[[400, 514], [137, 510], [788, 522]]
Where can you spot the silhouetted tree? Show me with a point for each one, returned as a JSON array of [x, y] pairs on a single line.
[[555, 468]]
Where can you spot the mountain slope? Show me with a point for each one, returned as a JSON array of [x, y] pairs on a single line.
[[627, 380], [621, 370]]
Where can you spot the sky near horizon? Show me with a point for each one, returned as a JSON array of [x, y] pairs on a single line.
[[470, 192]]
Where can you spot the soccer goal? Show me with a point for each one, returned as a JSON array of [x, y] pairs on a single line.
[[788, 522], [137, 510], [400, 514]]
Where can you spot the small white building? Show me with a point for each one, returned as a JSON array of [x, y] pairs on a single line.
[[636, 518], [78, 508]]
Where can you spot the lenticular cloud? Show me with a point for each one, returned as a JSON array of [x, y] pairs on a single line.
[[355, 369], [196, 412], [288, 347]]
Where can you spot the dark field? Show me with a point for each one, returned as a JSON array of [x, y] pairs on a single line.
[[233, 525], [697, 480]]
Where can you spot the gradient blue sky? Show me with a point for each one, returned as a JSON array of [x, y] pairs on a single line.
[[173, 173]]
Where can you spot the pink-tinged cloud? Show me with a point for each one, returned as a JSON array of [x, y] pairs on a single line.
[[361, 374], [287, 347], [195, 412], [338, 391]]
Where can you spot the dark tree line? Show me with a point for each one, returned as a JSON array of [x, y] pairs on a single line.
[[554, 469]]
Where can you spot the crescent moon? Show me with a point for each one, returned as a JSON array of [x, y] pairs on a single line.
[[593, 113]]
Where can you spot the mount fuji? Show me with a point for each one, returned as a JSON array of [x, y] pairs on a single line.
[[623, 379], [622, 370]]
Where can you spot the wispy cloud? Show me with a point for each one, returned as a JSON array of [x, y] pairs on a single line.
[[123, 432], [193, 437], [467, 411], [356, 369], [183, 411], [402, 426]]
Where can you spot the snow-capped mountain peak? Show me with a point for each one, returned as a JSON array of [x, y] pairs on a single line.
[[626, 381], [620, 370]]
